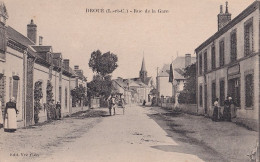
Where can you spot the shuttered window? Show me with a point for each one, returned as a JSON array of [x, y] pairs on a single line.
[[248, 37], [213, 57], [213, 91], [249, 89], [221, 53], [2, 42], [233, 47]]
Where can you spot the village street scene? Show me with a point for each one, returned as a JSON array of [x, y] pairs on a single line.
[[120, 81]]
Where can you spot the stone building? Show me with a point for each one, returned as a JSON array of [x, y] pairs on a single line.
[[228, 65], [23, 64], [166, 88]]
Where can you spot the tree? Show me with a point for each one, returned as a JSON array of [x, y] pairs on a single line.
[[100, 86], [78, 94], [37, 98], [188, 95], [103, 64]]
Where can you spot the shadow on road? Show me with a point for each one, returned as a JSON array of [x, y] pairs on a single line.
[[186, 144]]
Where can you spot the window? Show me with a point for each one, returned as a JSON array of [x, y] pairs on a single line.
[[249, 90], [60, 94], [15, 89], [2, 42], [233, 46], [200, 95], [221, 53], [213, 91], [66, 97], [213, 57], [205, 62], [2, 90], [200, 64], [222, 92], [248, 37]]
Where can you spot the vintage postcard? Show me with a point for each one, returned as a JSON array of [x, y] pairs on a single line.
[[129, 81]]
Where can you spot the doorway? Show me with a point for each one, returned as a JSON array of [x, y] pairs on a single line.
[[234, 90]]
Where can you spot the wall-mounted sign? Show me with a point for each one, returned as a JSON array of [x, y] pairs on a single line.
[[233, 70]]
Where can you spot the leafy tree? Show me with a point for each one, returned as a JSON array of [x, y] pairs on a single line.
[[103, 64], [78, 94], [188, 95], [100, 86]]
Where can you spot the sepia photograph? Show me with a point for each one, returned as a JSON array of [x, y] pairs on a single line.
[[129, 80]]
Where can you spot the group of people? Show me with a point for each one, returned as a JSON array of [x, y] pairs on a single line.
[[8, 117], [229, 110], [113, 102]]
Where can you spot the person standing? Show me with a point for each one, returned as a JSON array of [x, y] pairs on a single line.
[[227, 109], [1, 115], [113, 103], [10, 124], [215, 116], [58, 110]]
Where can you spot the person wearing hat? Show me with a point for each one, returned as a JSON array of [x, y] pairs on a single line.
[[58, 110], [227, 109], [10, 112]]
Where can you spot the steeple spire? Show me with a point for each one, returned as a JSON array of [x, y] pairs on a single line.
[[143, 72], [143, 68]]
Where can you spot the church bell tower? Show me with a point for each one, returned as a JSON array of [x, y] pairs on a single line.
[[143, 72]]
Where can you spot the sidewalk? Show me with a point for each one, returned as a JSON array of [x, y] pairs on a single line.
[[41, 140], [231, 141]]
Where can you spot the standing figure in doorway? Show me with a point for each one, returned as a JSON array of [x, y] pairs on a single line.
[[227, 109], [215, 116], [10, 112]]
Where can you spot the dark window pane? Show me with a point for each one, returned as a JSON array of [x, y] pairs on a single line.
[[249, 90]]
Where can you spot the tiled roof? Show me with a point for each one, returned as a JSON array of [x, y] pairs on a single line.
[[18, 37], [147, 80]]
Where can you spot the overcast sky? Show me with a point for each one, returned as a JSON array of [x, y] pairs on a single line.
[[66, 26]]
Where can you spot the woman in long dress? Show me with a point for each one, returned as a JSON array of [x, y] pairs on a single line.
[[227, 109], [215, 116], [10, 124]]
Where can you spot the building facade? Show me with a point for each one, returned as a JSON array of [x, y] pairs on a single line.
[[228, 65], [26, 66]]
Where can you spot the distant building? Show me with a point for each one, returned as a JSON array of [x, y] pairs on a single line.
[[166, 88], [140, 88], [228, 65]]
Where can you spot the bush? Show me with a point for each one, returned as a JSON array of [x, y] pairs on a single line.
[[187, 98]]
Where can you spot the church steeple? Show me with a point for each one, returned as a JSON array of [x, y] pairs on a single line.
[[143, 72]]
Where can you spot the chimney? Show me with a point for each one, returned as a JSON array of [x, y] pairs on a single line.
[[223, 18], [40, 40], [187, 60], [76, 67], [32, 31], [66, 63], [3, 14]]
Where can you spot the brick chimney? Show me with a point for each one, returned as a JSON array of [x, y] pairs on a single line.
[[32, 31], [66, 63], [40, 40], [187, 60], [223, 18]]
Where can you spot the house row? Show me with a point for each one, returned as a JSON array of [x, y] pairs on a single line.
[[25, 65], [135, 90], [228, 65]]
